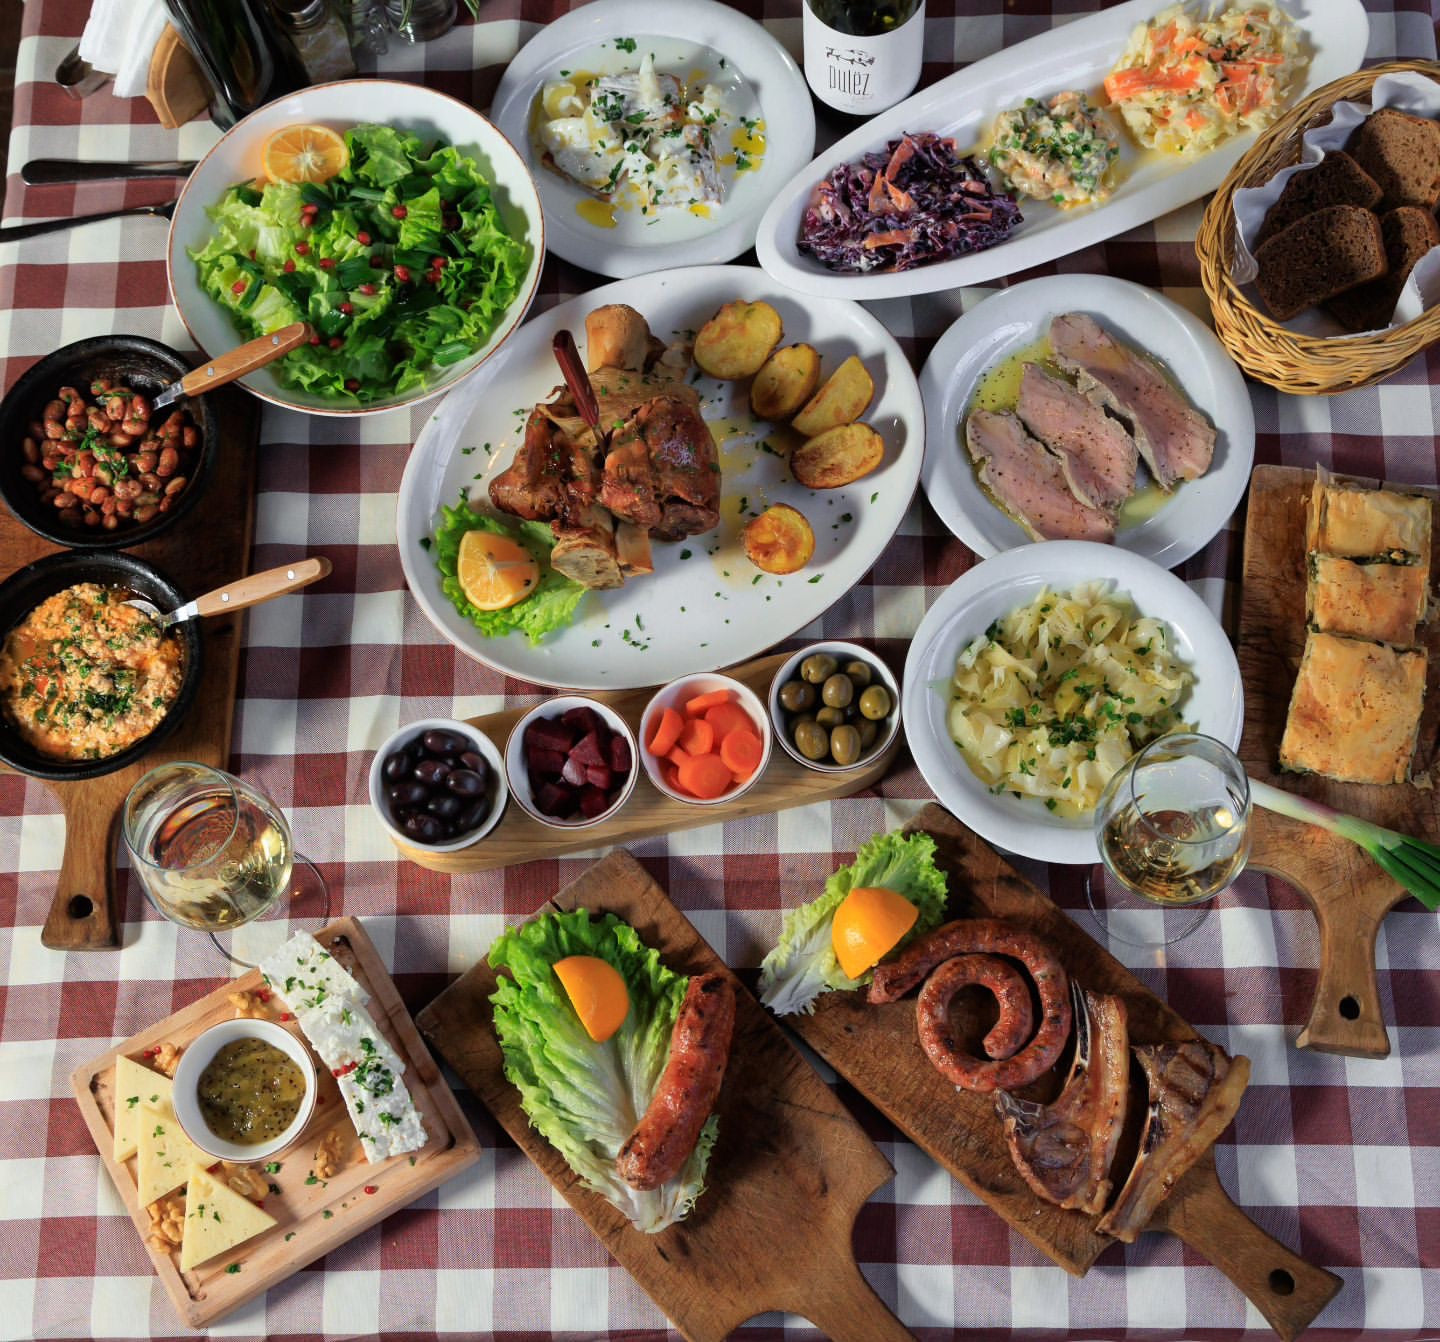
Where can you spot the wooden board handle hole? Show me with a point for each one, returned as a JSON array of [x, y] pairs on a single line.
[[1281, 1282], [80, 907], [1349, 1008]]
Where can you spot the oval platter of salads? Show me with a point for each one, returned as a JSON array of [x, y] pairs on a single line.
[[1050, 145], [657, 134], [483, 476], [412, 246]]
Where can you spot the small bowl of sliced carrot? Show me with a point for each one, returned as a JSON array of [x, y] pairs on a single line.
[[705, 739]]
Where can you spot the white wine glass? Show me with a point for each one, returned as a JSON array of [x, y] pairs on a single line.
[[213, 853], [1173, 828]]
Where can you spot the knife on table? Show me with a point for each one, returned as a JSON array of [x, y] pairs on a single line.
[[57, 171], [247, 358]]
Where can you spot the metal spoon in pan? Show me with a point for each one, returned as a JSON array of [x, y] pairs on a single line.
[[249, 591]]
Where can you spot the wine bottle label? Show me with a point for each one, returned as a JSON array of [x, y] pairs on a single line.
[[862, 75]]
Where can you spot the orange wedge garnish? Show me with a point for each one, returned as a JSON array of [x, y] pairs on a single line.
[[305, 154], [867, 927], [495, 571], [596, 991]]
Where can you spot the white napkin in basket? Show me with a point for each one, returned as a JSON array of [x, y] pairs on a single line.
[[120, 37]]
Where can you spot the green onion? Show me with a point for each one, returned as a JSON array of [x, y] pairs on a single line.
[[1413, 863]]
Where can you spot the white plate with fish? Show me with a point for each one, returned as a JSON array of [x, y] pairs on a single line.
[[1213, 702], [716, 118], [705, 605], [964, 106], [980, 363]]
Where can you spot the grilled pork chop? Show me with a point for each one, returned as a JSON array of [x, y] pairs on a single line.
[[1175, 439], [1195, 1089], [1063, 1150], [1096, 454], [1028, 481]]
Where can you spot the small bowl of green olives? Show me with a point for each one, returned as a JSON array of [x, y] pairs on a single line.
[[834, 707]]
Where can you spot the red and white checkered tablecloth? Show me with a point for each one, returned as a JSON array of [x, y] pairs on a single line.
[[1338, 1158]]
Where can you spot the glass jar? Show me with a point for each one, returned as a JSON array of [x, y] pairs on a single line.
[[318, 36], [421, 20]]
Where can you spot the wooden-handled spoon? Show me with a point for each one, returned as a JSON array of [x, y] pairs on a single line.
[[247, 358], [249, 591]]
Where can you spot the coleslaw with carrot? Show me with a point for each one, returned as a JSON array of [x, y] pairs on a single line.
[[1185, 82]]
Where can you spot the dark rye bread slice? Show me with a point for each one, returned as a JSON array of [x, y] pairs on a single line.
[[1336, 180], [1408, 233], [1402, 153], [1317, 257]]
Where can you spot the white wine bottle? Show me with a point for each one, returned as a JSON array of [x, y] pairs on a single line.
[[862, 56]]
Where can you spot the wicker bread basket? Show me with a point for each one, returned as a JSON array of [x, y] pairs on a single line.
[[1306, 365]]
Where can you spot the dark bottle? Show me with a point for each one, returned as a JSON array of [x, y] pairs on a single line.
[[862, 56], [242, 55]]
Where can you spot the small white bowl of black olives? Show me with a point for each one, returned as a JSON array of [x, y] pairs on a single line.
[[834, 707], [438, 784]]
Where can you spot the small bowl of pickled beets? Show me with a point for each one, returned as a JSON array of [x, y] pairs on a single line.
[[438, 784], [570, 762]]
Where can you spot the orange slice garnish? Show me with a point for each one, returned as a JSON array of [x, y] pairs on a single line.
[[867, 927], [596, 991], [494, 571], [305, 154]]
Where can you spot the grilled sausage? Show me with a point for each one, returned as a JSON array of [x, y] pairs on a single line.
[[1012, 995], [987, 936], [689, 1086]]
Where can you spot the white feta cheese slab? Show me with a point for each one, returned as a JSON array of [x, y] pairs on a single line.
[[304, 973]]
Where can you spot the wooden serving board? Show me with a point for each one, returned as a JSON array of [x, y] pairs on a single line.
[[206, 548], [1348, 891], [520, 838], [878, 1051], [789, 1173], [314, 1215]]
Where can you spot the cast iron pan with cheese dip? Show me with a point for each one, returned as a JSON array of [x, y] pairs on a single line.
[[27, 588]]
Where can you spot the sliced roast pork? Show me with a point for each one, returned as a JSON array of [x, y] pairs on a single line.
[[1175, 439], [1028, 481], [1096, 454], [1195, 1089], [1064, 1149]]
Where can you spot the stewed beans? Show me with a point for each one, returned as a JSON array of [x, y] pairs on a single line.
[[108, 461]]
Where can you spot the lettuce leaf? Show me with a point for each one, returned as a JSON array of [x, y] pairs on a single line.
[[585, 1098], [549, 607], [803, 964]]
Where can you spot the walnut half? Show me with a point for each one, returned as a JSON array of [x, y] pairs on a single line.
[[330, 1154], [167, 1221], [243, 1179]]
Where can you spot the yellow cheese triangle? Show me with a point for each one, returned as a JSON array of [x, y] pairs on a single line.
[[136, 1085], [216, 1219], [166, 1155]]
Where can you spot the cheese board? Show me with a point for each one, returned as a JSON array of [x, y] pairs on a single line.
[[84, 914], [519, 837], [877, 1050], [322, 1191], [1348, 892], [790, 1171]]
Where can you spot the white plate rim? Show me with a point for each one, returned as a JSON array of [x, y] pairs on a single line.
[[1033, 832], [752, 47], [1012, 318], [262, 382], [423, 471], [1338, 29]]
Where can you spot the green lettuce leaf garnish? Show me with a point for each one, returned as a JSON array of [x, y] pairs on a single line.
[[585, 1098], [803, 964], [549, 607], [380, 335]]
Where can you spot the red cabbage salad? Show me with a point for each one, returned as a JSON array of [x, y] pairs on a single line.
[[919, 200]]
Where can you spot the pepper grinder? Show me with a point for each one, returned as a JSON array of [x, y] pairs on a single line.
[[318, 36]]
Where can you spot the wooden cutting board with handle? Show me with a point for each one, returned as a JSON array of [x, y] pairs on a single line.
[[1349, 893], [206, 548], [878, 1051], [789, 1173]]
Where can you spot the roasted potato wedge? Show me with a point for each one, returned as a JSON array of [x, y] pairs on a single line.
[[842, 400], [786, 382], [780, 540], [737, 340], [837, 456]]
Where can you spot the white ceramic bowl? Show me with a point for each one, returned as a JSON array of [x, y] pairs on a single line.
[[1215, 704], [519, 776], [682, 691], [496, 793], [842, 652], [198, 1056], [412, 107]]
